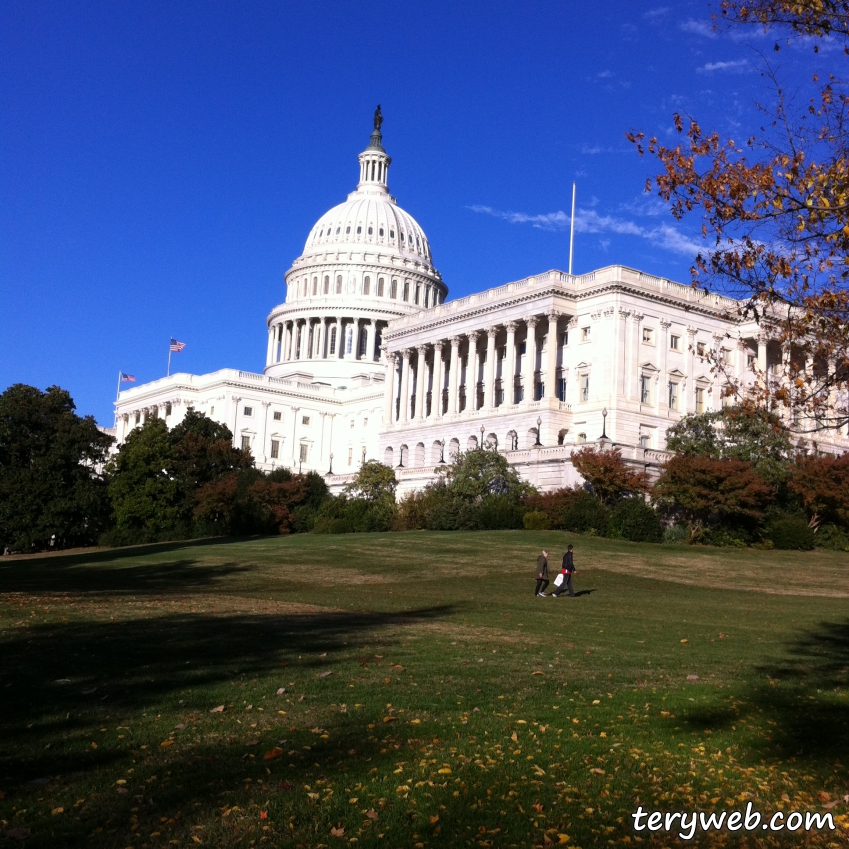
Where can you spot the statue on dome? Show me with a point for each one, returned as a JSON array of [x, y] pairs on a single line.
[[378, 119]]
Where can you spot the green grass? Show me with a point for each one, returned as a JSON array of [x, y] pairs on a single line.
[[429, 698]]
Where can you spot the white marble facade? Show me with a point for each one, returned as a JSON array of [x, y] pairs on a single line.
[[366, 358]]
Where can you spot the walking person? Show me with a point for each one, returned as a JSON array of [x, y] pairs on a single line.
[[542, 573], [566, 569]]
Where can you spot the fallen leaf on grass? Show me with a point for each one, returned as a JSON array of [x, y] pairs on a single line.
[[371, 814], [692, 677], [597, 771], [196, 840], [263, 815], [57, 811], [444, 771], [273, 754], [181, 727], [685, 641], [281, 691], [219, 709], [337, 832], [325, 675], [165, 744]]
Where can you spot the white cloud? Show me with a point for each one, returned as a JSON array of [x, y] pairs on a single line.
[[604, 75], [698, 27], [663, 236], [654, 14], [735, 66]]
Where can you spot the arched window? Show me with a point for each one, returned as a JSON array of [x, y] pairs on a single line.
[[406, 290], [379, 287], [347, 230], [366, 285], [380, 232], [315, 285], [370, 231], [338, 284], [337, 230], [349, 340], [402, 237], [326, 284], [332, 341], [391, 234], [393, 289], [418, 293], [359, 230]]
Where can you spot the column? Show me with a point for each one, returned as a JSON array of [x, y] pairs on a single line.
[[472, 370], [272, 330], [337, 351], [620, 354], [436, 386], [508, 375], [453, 375], [349, 355], [404, 414], [489, 376], [529, 365], [368, 329], [551, 356], [390, 388], [663, 344], [762, 360], [637, 340], [318, 338], [421, 379], [628, 367], [286, 352], [690, 397]]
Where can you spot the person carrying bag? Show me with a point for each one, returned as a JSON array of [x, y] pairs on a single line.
[[563, 581]]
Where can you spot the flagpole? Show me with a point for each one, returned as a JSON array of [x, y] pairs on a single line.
[[169, 360], [118, 390], [572, 229]]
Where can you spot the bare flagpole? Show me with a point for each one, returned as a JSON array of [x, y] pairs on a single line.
[[118, 390], [572, 230], [169, 358]]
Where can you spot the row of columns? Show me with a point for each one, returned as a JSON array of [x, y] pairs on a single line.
[[322, 338], [415, 407]]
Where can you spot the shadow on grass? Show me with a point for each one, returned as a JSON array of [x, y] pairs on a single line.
[[55, 576], [802, 697], [53, 675]]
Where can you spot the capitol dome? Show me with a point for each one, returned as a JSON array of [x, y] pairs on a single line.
[[365, 262]]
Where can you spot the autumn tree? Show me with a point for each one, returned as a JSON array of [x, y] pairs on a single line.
[[374, 481], [483, 471], [608, 475], [703, 489], [774, 209], [822, 482]]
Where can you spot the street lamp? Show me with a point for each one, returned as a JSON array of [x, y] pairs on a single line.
[[482, 430], [604, 424], [442, 452], [330, 470], [364, 456], [538, 443]]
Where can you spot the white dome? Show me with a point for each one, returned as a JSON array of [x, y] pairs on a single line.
[[369, 219]]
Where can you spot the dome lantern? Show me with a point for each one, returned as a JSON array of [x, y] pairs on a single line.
[[374, 161]]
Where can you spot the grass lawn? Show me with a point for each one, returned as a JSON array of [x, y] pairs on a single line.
[[408, 690]]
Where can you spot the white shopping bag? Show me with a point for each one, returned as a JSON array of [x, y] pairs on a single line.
[[558, 580]]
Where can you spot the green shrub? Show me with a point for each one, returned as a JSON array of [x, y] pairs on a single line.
[[586, 514], [790, 533], [677, 535], [327, 525], [500, 513], [831, 537], [634, 520], [536, 520]]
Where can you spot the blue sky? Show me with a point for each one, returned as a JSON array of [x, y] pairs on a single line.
[[162, 163]]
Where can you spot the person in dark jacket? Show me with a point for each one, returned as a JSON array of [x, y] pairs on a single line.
[[567, 568], [542, 574]]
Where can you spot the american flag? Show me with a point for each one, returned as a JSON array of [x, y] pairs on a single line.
[[176, 346], [128, 378]]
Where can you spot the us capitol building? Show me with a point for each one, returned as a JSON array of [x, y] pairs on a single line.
[[366, 359]]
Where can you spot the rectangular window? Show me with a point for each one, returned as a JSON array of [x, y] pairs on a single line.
[[727, 400], [305, 450], [349, 340], [561, 389], [648, 336], [246, 443], [363, 343], [645, 390], [167, 410], [675, 343], [333, 341], [305, 420], [727, 356], [275, 449], [350, 456], [582, 438], [249, 411], [585, 334], [701, 348], [645, 441], [585, 387], [278, 416], [700, 399], [365, 422], [565, 341], [522, 348], [673, 395], [751, 360]]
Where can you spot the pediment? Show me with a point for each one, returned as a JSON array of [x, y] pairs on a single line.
[[648, 366], [582, 365], [677, 373]]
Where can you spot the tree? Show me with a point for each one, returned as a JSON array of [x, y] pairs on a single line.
[[156, 473], [484, 471], [51, 487], [609, 477], [743, 433], [777, 209], [374, 482], [703, 488], [822, 482]]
